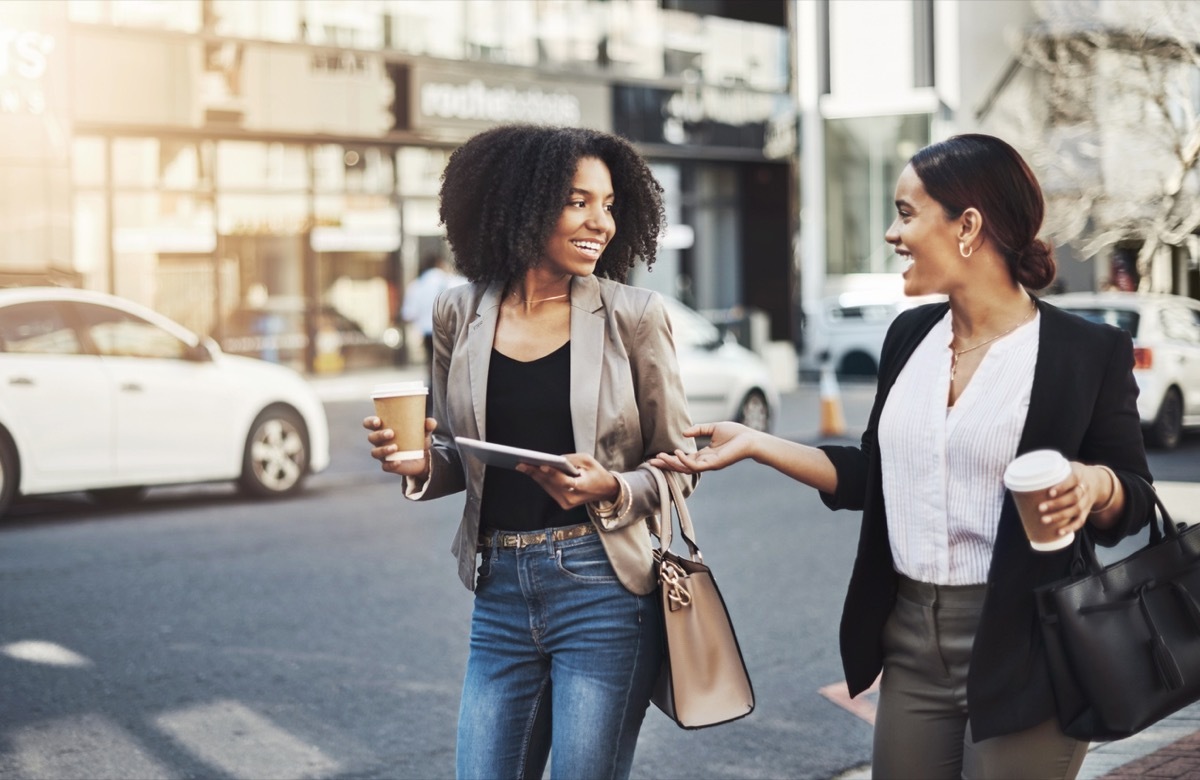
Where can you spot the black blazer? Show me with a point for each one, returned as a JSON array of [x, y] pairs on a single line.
[[1083, 404]]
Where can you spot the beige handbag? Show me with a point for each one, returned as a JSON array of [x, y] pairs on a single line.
[[703, 681]]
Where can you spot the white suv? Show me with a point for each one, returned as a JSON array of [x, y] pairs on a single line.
[[1166, 349]]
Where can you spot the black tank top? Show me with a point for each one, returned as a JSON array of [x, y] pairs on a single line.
[[529, 405]]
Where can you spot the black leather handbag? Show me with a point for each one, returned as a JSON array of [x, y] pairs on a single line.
[[1123, 641]]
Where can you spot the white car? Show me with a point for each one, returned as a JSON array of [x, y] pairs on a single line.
[[722, 379], [1166, 353], [848, 329], [102, 395]]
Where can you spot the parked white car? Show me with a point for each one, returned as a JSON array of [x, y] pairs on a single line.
[[102, 395], [722, 379], [1166, 347], [850, 328]]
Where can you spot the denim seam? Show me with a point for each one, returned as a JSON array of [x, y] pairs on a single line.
[[528, 736], [629, 684]]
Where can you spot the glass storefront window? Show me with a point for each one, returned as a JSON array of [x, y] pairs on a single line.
[[353, 168], [432, 29], [250, 165], [353, 24], [635, 39], [181, 15], [278, 20], [420, 170], [744, 54], [89, 234], [570, 32], [154, 162], [149, 228], [88, 162], [864, 157]]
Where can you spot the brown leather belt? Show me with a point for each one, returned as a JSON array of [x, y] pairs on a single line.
[[513, 539]]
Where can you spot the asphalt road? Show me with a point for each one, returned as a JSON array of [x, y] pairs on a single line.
[[203, 635]]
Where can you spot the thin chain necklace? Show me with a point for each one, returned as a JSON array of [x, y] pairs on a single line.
[[517, 294], [956, 353]]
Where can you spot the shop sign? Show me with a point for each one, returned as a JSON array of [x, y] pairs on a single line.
[[441, 100], [24, 59], [700, 115]]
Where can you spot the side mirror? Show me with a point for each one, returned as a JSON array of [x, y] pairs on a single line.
[[202, 352]]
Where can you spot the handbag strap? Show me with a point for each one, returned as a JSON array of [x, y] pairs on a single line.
[[1159, 513], [668, 496]]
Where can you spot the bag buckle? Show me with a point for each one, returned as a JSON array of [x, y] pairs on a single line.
[[675, 578]]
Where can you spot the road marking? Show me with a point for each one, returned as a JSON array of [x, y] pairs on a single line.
[[81, 746], [244, 744], [862, 706], [48, 653]]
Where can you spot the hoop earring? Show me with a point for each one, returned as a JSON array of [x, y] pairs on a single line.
[[966, 254]]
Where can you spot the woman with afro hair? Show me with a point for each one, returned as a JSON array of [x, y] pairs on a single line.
[[547, 349]]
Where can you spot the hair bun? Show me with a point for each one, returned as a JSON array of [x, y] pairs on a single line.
[[1036, 268]]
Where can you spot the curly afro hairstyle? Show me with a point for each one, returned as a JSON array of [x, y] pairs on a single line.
[[504, 190]]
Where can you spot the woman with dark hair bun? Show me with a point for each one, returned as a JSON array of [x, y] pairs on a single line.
[[941, 599], [547, 349]]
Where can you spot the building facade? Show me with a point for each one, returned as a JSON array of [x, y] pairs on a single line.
[[266, 172]]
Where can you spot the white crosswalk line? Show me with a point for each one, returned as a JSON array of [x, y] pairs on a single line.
[[82, 746], [243, 743]]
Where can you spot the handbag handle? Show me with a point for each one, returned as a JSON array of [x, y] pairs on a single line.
[[1169, 530], [668, 495]]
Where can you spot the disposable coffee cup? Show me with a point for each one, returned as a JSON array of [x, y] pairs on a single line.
[[1029, 478], [401, 407]]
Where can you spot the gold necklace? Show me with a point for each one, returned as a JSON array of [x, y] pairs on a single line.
[[955, 353], [516, 294]]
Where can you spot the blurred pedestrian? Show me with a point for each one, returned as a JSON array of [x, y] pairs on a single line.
[[435, 276], [547, 349], [941, 596]]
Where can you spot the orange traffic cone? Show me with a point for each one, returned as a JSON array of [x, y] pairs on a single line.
[[833, 423]]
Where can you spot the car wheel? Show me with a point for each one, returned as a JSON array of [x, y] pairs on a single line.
[[755, 412], [858, 364], [10, 474], [1167, 428], [275, 461], [121, 496]]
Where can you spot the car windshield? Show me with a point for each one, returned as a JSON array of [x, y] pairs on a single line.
[[1124, 319], [690, 327]]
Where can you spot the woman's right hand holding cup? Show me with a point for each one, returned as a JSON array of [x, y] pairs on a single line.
[[383, 444]]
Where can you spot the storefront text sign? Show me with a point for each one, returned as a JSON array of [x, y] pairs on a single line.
[[459, 104], [24, 58]]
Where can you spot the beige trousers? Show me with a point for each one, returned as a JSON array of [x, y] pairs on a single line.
[[921, 728]]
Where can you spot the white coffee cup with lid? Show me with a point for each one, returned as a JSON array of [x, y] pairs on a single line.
[[1029, 477]]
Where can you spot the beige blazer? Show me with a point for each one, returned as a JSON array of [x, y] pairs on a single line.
[[627, 405]]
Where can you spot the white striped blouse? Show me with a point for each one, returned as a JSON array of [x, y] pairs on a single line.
[[943, 467]]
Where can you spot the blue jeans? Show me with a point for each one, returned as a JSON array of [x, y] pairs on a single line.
[[562, 654]]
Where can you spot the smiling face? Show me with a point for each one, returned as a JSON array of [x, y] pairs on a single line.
[[586, 224], [925, 239]]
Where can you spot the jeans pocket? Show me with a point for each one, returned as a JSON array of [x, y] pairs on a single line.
[[585, 563]]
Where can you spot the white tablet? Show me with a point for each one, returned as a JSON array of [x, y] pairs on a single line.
[[508, 457]]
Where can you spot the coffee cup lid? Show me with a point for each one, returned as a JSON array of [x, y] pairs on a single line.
[[1036, 470], [399, 388]]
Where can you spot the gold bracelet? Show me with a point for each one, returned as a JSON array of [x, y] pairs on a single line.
[[609, 510], [1111, 496]]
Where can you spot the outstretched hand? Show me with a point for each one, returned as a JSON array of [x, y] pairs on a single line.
[[729, 442]]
